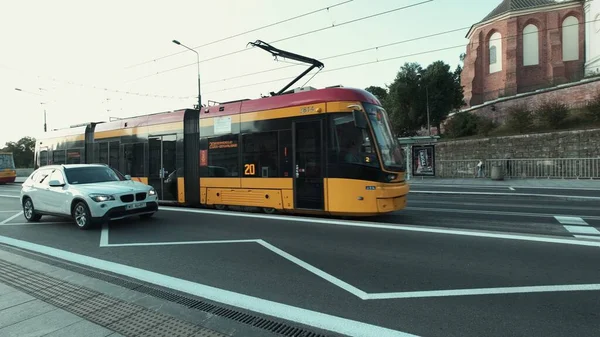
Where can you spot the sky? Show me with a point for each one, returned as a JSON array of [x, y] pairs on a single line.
[[86, 61]]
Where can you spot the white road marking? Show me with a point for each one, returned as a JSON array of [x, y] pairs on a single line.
[[31, 223], [360, 293], [581, 229], [395, 227], [9, 196], [318, 272], [485, 291], [510, 188], [515, 186], [11, 218], [104, 236], [475, 211], [571, 220], [590, 237], [259, 305], [328, 277], [577, 225], [16, 210], [508, 194]]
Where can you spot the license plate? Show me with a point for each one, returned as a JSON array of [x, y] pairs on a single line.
[[136, 205]]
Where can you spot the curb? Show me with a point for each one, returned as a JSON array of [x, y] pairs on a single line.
[[552, 196]]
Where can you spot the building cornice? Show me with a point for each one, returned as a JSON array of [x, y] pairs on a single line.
[[522, 12]]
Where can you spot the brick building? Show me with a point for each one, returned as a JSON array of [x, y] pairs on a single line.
[[525, 45]]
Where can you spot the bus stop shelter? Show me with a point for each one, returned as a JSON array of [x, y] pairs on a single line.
[[420, 155]]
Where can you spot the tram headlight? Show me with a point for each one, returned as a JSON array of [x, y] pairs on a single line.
[[391, 177]]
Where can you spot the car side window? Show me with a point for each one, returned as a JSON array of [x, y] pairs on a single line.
[[42, 177], [57, 175]]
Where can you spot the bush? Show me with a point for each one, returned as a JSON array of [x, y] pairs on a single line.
[[462, 124], [593, 108], [485, 126], [552, 114], [520, 118]]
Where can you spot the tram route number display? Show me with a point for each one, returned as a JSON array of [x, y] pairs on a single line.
[[249, 169], [423, 160]]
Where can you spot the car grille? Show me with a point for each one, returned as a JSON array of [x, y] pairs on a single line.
[[140, 196], [127, 198]]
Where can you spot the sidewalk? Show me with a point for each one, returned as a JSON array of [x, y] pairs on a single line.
[[24, 315], [40, 299], [516, 182]]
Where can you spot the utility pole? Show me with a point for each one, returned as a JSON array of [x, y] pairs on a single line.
[[427, 98], [198, 64]]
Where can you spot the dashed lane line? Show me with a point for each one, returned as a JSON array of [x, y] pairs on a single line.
[[578, 227]]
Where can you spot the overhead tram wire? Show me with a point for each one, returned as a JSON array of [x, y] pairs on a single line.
[[393, 58], [94, 87], [246, 32], [344, 54], [287, 38]]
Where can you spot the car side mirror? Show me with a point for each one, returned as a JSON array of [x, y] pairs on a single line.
[[360, 120], [55, 183], [128, 177]]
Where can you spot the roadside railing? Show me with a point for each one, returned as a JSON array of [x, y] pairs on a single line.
[[549, 168]]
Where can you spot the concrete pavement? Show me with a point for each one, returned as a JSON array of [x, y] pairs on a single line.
[[446, 266]]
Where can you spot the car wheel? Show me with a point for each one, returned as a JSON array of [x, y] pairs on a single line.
[[81, 215], [146, 216], [29, 211]]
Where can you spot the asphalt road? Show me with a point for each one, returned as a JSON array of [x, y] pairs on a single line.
[[448, 265]]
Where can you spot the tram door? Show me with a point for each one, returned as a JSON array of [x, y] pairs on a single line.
[[163, 166], [309, 169]]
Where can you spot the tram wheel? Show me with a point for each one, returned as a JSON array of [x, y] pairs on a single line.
[[220, 207], [269, 210]]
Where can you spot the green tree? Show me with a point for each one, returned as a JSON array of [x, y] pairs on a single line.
[[379, 92], [405, 100], [22, 151], [445, 91]]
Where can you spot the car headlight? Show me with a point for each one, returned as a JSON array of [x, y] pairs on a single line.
[[152, 192], [101, 197]]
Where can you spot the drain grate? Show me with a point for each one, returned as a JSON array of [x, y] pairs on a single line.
[[125, 318], [272, 326]]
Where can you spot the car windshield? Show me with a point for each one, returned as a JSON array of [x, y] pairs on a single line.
[[92, 174], [391, 152]]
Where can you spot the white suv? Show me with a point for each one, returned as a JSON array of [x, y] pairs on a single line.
[[87, 193]]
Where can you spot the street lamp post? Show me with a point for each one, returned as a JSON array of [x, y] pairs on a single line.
[[427, 100], [41, 103], [198, 63]]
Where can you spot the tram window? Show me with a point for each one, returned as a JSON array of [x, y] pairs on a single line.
[[58, 157], [260, 154], [134, 159], [113, 155], [74, 156], [103, 153], [43, 158], [285, 153], [350, 144], [223, 156]]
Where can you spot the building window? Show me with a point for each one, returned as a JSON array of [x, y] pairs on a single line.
[[495, 50], [570, 39], [531, 47]]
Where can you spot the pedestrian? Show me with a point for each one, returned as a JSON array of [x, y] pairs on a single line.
[[480, 173]]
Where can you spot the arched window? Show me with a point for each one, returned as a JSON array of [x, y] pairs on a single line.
[[495, 49], [531, 47], [570, 39]]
